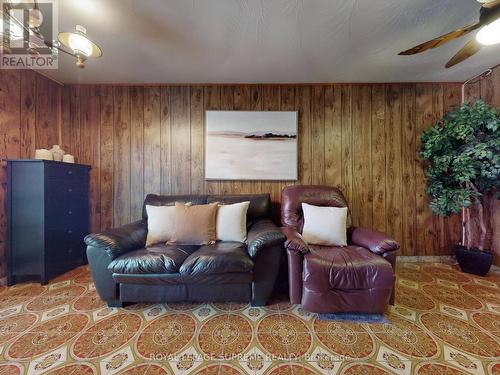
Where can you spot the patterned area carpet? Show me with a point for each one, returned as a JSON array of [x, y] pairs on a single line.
[[444, 322]]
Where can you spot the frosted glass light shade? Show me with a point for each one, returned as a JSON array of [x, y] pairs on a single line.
[[489, 34]]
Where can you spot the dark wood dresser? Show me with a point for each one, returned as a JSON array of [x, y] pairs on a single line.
[[47, 218]]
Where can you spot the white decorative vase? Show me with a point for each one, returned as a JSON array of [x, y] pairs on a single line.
[[57, 153], [67, 158], [43, 154]]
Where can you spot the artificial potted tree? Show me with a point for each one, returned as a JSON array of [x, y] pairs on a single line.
[[462, 161]]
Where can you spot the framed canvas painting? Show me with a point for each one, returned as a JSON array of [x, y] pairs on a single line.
[[251, 145]]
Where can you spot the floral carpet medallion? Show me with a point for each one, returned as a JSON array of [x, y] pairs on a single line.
[[364, 369], [414, 275], [11, 326], [406, 338], [88, 302], [414, 299], [106, 336], [8, 369], [55, 297], [47, 336], [345, 339], [444, 322], [452, 297], [437, 369], [447, 274], [487, 294], [19, 294], [283, 336], [225, 336], [149, 369], [462, 335], [490, 322], [291, 370], [166, 335]]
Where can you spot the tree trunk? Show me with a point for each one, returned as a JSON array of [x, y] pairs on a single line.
[[482, 225]]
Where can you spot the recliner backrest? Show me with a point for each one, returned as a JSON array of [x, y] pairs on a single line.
[[292, 198]]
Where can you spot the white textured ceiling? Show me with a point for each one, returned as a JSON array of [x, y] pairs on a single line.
[[258, 41]]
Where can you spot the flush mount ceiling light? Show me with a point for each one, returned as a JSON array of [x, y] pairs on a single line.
[[81, 46]]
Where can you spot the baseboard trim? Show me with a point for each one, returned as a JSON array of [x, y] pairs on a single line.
[[426, 259], [436, 259]]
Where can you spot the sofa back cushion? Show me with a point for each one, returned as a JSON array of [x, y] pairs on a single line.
[[292, 198], [169, 200], [260, 204]]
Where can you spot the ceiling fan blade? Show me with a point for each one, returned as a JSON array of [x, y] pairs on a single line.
[[467, 51], [491, 4], [440, 40]]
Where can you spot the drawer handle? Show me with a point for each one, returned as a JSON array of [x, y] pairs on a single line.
[[70, 190], [70, 172], [70, 231], [70, 212], [70, 251]]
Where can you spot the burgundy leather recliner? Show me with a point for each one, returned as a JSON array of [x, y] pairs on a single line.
[[357, 278]]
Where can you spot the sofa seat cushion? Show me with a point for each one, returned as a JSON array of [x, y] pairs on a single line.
[[156, 259], [345, 268], [220, 257]]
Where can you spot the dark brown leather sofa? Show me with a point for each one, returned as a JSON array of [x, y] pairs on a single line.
[[124, 271], [356, 278]]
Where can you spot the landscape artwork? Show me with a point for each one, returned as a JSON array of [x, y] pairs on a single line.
[[251, 145]]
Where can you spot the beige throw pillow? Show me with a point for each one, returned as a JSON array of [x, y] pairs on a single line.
[[325, 225], [195, 225], [232, 222], [161, 221]]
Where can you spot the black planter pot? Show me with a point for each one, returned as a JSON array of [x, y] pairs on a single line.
[[474, 260]]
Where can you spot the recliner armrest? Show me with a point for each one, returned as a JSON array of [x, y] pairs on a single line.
[[294, 240], [263, 233], [376, 242], [118, 241]]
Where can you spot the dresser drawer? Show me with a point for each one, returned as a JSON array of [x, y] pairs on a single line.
[[67, 188], [64, 251], [66, 171]]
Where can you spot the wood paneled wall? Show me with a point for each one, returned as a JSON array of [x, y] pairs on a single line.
[[489, 90], [29, 119], [361, 137]]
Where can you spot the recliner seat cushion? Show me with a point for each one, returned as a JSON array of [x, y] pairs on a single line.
[[220, 257], [155, 259], [345, 268]]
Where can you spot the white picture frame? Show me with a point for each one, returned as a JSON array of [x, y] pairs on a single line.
[[251, 145]]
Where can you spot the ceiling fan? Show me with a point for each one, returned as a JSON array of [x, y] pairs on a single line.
[[488, 34]]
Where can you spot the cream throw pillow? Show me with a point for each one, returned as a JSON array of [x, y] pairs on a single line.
[[161, 223], [325, 225], [232, 222]]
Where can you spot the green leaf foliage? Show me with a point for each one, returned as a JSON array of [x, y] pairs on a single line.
[[460, 151]]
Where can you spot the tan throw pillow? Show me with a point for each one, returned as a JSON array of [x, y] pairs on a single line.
[[325, 225], [195, 225], [232, 222]]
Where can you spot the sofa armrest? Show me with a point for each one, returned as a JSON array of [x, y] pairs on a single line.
[[263, 233], [118, 241], [294, 240], [376, 242]]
